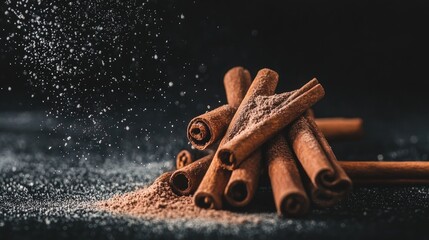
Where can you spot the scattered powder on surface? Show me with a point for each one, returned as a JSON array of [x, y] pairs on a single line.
[[158, 202]]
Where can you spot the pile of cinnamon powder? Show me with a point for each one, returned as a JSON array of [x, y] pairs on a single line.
[[158, 202]]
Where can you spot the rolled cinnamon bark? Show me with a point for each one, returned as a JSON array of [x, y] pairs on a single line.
[[187, 179], [329, 182], [340, 128], [260, 117], [387, 172], [236, 81], [186, 157], [183, 158], [244, 180], [209, 193], [289, 194], [208, 128]]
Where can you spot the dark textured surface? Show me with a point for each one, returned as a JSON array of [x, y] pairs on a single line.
[[45, 194], [371, 56]]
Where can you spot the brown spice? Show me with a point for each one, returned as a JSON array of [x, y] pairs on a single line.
[[210, 192], [183, 158], [204, 130], [188, 156], [186, 180], [158, 202], [328, 182], [289, 193], [387, 172], [340, 128], [258, 131], [244, 181], [208, 128], [236, 81]]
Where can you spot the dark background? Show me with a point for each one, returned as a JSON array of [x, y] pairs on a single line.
[[362, 51], [371, 57]]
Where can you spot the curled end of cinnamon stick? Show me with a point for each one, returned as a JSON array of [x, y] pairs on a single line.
[[227, 159], [324, 199], [330, 180], [199, 133], [183, 158], [238, 194], [180, 183], [331, 190], [206, 201], [294, 205]]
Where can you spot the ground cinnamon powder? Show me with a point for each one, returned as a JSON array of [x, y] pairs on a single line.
[[257, 110], [157, 201]]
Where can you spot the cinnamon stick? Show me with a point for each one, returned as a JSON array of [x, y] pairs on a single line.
[[340, 128], [290, 197], [205, 129], [260, 117], [208, 128], [209, 193], [244, 181], [327, 180], [183, 158], [236, 82], [186, 157], [186, 180], [387, 172]]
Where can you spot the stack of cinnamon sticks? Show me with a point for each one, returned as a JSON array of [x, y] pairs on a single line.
[[260, 134]]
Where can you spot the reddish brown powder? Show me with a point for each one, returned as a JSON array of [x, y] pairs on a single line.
[[158, 201], [259, 109]]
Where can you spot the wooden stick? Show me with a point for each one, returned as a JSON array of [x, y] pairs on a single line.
[[329, 182], [244, 181], [210, 192], [203, 131], [263, 117], [289, 194]]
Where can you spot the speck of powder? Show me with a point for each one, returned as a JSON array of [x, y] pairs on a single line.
[[158, 202]]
